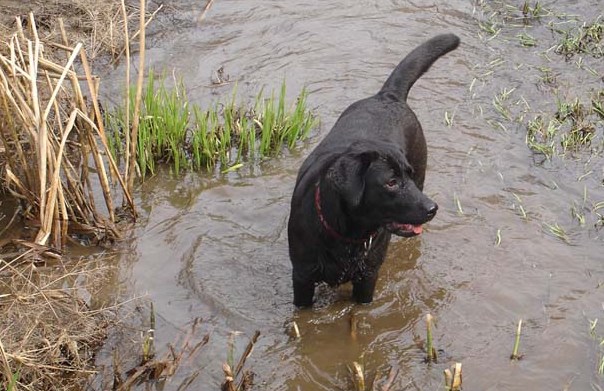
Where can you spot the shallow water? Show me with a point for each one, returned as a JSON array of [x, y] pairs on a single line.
[[216, 248]]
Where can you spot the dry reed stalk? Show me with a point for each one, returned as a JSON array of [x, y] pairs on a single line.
[[453, 378], [392, 374], [246, 377], [136, 34], [155, 369], [50, 139], [359, 376], [205, 11], [133, 133], [127, 88]]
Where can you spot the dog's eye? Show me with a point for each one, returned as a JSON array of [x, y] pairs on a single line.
[[392, 183]]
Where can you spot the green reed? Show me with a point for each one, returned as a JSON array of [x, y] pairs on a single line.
[[176, 132], [431, 355]]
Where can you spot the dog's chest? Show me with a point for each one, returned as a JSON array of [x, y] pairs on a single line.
[[341, 263]]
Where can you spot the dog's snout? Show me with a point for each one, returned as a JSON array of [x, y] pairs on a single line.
[[431, 210]]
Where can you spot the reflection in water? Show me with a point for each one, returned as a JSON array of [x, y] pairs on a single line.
[[217, 248]]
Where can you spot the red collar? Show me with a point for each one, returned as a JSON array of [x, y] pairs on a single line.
[[330, 230]]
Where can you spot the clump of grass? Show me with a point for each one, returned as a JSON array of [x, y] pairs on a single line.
[[556, 230], [534, 12], [540, 137], [181, 134], [499, 103], [501, 14], [547, 76], [584, 39], [527, 40], [574, 111], [572, 127], [91, 22], [597, 103]]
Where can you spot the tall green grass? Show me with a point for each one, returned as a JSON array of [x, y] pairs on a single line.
[[176, 132]]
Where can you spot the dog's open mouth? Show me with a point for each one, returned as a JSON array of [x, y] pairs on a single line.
[[405, 230]]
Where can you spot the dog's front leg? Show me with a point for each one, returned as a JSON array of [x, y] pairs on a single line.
[[304, 291], [362, 290]]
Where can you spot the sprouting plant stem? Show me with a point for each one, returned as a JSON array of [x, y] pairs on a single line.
[[515, 355], [430, 350]]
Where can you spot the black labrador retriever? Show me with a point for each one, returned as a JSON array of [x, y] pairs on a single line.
[[361, 184]]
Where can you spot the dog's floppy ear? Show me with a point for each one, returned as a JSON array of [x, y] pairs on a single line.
[[347, 174]]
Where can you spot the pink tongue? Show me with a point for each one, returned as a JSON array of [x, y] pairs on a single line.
[[417, 229]]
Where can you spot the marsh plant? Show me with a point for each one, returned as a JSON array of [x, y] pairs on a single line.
[[174, 131], [588, 38], [572, 128]]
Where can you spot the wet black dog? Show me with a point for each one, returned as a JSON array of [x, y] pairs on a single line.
[[361, 184]]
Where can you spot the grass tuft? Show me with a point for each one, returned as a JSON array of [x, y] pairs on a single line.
[[175, 132], [584, 39], [527, 40], [556, 230], [572, 127]]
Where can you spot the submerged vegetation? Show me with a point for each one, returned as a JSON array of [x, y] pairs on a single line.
[[558, 107], [586, 38], [175, 131], [569, 125]]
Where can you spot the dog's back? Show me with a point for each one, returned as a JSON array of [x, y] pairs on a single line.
[[387, 108]]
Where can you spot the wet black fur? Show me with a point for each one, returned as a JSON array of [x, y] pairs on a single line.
[[370, 170]]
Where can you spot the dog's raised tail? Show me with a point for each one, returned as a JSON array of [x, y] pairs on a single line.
[[416, 63]]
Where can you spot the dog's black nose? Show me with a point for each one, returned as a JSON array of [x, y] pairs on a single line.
[[432, 210]]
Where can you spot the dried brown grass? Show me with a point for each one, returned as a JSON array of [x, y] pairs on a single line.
[[97, 24], [48, 333]]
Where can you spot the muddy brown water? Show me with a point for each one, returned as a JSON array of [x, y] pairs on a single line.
[[215, 247]]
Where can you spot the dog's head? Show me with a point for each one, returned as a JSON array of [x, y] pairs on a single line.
[[376, 183]]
